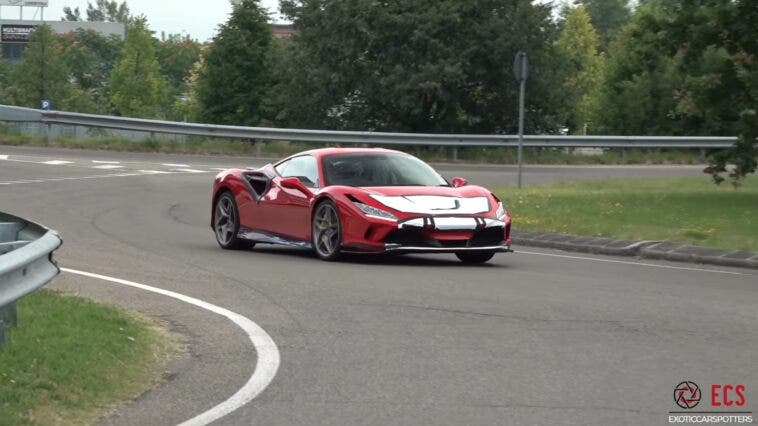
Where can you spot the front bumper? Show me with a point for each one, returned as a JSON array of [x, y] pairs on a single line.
[[428, 234], [397, 248]]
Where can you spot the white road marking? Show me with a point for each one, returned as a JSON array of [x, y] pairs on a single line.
[[3, 157], [22, 181], [138, 173], [220, 169], [155, 172], [61, 179], [175, 165], [108, 167], [626, 262], [105, 162], [57, 162], [189, 171], [268, 358]]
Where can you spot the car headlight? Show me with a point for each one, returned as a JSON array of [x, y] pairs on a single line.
[[375, 212], [501, 212]]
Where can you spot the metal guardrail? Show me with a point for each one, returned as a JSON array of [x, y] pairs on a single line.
[[26, 263], [17, 114]]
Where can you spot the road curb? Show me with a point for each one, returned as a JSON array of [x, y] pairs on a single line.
[[663, 250]]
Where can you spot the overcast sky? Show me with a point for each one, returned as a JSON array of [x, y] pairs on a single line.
[[199, 18]]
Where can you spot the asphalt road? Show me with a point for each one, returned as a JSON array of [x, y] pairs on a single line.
[[535, 337]]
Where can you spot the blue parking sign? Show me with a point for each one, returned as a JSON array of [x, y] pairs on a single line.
[[46, 105]]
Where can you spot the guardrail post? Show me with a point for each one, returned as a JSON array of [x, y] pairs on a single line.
[[8, 319], [623, 155], [702, 154], [8, 315], [80, 132], [455, 153]]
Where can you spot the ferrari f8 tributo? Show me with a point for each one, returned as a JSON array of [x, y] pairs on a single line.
[[341, 200]]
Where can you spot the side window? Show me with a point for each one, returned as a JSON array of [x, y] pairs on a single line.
[[303, 168]]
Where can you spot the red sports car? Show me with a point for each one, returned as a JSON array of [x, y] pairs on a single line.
[[341, 200]]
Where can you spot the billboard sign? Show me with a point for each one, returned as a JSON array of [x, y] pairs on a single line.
[[16, 33], [28, 3]]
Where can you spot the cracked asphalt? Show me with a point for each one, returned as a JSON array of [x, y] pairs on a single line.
[[535, 337]]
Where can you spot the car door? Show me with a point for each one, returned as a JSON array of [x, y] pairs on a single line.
[[287, 211]]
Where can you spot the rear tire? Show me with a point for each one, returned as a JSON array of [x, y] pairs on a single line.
[[326, 231], [475, 257], [226, 223]]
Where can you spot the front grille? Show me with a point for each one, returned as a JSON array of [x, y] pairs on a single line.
[[408, 237], [487, 237], [418, 238]]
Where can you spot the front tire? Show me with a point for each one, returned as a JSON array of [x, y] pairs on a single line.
[[226, 223], [475, 257], [326, 231]]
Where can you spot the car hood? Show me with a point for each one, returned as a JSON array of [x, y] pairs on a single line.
[[430, 200]]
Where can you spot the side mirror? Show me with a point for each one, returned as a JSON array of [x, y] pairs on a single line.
[[459, 182], [294, 183]]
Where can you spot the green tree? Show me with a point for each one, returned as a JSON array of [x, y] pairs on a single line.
[[233, 82], [187, 107], [421, 66], [608, 16], [42, 72], [5, 82], [177, 55], [281, 57], [686, 67], [73, 15], [137, 87], [740, 160], [581, 67], [90, 58], [101, 11], [681, 67]]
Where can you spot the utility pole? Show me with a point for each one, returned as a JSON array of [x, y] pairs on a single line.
[[521, 70]]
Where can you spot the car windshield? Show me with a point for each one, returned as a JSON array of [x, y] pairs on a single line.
[[380, 169]]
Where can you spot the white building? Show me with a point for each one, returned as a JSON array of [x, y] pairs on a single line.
[[14, 34]]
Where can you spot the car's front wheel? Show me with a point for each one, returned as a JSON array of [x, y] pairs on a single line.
[[226, 223], [474, 257], [326, 231]]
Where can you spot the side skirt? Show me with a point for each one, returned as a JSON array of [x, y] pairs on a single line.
[[264, 237]]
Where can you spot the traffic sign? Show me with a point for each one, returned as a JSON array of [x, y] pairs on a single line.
[[521, 66]]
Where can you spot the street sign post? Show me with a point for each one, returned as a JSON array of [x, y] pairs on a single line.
[[521, 71]]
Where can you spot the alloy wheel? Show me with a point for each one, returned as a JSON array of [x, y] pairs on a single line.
[[326, 231], [226, 221]]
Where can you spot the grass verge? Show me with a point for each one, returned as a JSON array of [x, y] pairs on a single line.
[[71, 360], [686, 210], [199, 145]]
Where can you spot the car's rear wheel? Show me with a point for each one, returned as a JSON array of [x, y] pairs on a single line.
[[326, 231], [226, 223], [474, 257]]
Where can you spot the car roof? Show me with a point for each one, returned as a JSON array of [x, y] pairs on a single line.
[[325, 152]]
